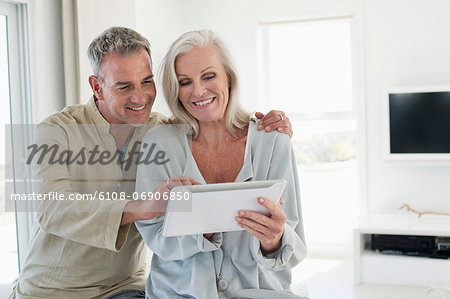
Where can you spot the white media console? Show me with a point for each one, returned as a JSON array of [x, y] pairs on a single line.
[[377, 268]]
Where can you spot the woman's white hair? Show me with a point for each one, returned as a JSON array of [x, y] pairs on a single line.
[[235, 116]]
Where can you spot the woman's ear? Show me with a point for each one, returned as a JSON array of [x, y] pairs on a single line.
[[96, 87], [229, 80]]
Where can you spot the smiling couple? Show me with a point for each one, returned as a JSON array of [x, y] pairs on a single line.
[[96, 250]]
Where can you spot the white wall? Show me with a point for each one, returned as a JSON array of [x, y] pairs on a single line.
[[407, 44]]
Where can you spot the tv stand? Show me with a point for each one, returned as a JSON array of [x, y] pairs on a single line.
[[371, 266]]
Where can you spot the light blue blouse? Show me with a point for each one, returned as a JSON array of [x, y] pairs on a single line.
[[229, 263]]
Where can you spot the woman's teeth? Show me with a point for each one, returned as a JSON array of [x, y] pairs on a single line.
[[203, 103], [136, 108]]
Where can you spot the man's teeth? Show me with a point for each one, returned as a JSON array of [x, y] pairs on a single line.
[[137, 108], [203, 103]]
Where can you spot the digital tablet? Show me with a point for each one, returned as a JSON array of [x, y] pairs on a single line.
[[213, 207]]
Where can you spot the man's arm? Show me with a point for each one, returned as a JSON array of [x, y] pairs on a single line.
[[76, 220], [274, 120], [138, 210], [149, 209]]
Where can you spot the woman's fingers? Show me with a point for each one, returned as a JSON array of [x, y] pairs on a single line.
[[180, 181], [268, 229]]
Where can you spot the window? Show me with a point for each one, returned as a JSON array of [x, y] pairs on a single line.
[[8, 248], [309, 74], [310, 66], [14, 109]]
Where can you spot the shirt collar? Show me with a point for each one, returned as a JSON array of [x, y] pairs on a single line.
[[246, 173], [96, 116]]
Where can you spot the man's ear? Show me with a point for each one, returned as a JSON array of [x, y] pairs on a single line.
[[96, 87]]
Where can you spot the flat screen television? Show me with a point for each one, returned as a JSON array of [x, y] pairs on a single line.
[[417, 123]]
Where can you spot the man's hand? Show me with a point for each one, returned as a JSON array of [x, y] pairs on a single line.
[[148, 209], [274, 120]]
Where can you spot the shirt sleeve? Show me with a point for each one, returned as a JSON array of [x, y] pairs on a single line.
[[293, 248], [96, 223], [175, 248]]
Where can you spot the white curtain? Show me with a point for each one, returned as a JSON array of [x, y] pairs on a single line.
[[71, 52]]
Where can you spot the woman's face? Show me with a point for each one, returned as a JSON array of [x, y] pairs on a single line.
[[203, 83]]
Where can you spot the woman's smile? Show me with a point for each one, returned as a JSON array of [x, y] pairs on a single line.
[[205, 103]]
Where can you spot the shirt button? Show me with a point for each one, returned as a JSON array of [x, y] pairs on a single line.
[[111, 144], [222, 283]]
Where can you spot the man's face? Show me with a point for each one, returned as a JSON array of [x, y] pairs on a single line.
[[127, 92]]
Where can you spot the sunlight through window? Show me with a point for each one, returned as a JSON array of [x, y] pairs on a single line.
[[310, 66], [309, 75]]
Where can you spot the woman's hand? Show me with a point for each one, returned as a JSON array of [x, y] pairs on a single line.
[[171, 183], [164, 191], [207, 236], [268, 229]]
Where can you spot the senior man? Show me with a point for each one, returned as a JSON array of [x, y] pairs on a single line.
[[93, 249]]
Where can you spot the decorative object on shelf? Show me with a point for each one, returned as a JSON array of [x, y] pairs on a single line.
[[438, 292], [409, 209]]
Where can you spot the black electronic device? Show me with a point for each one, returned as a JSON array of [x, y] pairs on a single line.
[[407, 245], [443, 245], [419, 122]]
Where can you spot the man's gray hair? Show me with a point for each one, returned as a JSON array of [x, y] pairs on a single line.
[[115, 40]]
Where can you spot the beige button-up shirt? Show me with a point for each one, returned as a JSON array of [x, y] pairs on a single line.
[[78, 248]]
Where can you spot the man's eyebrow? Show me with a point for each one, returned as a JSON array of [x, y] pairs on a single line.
[[122, 83], [202, 71], [129, 82]]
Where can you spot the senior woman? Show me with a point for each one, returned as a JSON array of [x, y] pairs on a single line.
[[200, 87]]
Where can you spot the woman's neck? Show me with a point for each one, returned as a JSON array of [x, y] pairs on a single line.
[[216, 133]]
